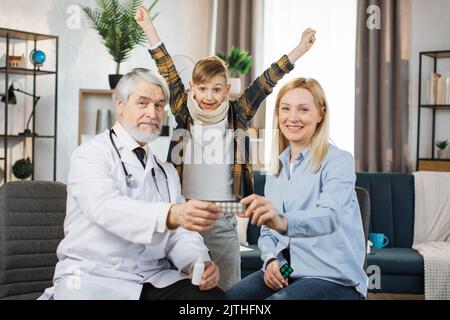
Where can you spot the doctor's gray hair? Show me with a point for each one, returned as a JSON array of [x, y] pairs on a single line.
[[128, 81]]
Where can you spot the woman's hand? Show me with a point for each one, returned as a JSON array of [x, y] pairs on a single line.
[[272, 276], [307, 41], [144, 20], [210, 277], [261, 212]]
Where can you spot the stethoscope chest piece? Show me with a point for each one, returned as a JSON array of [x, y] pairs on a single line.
[[131, 183]]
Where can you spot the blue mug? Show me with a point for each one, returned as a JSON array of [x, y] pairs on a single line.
[[379, 240]]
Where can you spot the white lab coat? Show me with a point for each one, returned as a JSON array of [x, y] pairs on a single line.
[[112, 245]]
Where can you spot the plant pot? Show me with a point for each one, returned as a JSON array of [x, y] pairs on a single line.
[[235, 86], [443, 153], [114, 80]]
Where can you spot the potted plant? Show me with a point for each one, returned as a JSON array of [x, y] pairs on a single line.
[[239, 62], [442, 149], [22, 169], [114, 21]]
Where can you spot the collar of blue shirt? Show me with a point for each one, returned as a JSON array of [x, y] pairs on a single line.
[[284, 159], [284, 156]]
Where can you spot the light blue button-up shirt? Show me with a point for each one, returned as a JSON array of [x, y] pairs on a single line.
[[325, 234]]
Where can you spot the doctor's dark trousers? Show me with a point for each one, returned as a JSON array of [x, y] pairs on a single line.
[[180, 290]]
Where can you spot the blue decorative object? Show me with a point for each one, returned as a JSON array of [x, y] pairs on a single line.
[[37, 57]]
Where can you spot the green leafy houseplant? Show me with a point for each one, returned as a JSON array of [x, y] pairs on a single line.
[[442, 152], [114, 21], [442, 144], [239, 61]]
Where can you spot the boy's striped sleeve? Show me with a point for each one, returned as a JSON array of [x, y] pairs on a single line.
[[254, 95], [166, 67]]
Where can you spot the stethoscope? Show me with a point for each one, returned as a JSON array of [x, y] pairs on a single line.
[[131, 183]]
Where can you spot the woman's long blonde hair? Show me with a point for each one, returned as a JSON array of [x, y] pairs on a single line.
[[320, 139]]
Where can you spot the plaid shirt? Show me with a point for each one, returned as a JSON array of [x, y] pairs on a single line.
[[240, 113]]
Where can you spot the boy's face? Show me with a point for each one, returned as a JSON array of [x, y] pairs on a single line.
[[211, 94]]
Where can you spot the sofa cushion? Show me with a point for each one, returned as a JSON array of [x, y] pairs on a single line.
[[390, 261], [392, 205], [400, 284], [251, 260], [31, 226], [259, 179], [253, 231], [396, 260]]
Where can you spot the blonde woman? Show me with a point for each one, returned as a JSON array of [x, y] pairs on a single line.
[[310, 215]]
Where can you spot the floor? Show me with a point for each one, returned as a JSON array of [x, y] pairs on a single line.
[[392, 296]]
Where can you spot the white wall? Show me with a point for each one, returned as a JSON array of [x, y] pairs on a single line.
[[85, 63], [429, 31]]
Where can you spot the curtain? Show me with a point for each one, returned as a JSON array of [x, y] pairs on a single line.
[[235, 27], [382, 72]]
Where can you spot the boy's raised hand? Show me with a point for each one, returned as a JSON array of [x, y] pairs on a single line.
[[144, 20], [307, 41]]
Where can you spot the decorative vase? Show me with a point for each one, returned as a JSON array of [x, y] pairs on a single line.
[[443, 153], [103, 120], [446, 153], [114, 80], [235, 86], [22, 169]]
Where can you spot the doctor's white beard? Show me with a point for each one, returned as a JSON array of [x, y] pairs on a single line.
[[143, 136]]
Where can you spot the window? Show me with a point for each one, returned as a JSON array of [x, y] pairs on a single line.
[[331, 61]]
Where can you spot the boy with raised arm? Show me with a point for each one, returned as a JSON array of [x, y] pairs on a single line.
[[205, 107]]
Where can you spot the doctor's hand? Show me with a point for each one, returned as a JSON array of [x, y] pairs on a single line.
[[261, 212], [272, 276], [193, 215], [210, 277]]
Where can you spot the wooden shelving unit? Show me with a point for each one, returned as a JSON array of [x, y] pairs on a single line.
[[430, 162], [86, 116], [7, 71]]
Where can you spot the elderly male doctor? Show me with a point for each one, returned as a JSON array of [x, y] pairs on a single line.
[[126, 218]]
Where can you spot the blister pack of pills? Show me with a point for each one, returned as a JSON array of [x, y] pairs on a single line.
[[230, 207]]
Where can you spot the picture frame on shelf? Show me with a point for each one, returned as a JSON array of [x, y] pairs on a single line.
[[17, 61]]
